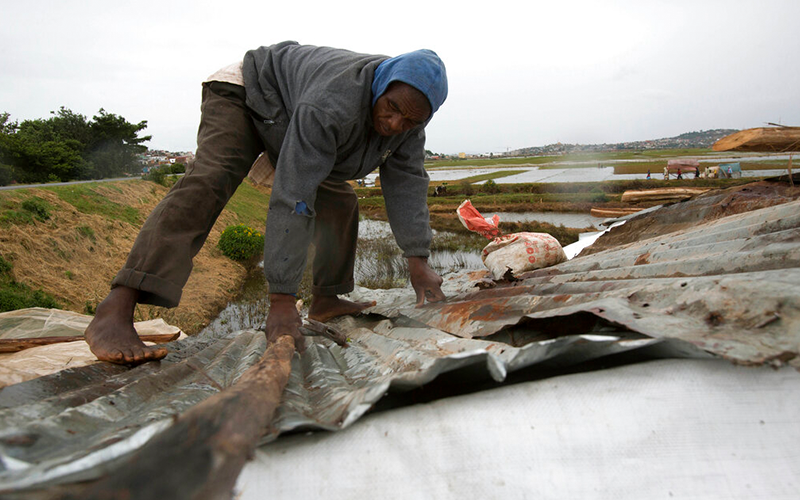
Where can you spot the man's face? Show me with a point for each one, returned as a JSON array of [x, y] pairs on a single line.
[[400, 108]]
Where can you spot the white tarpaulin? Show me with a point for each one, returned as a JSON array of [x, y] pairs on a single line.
[[664, 429]]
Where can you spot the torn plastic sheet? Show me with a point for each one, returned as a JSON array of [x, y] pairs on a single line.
[[330, 388]]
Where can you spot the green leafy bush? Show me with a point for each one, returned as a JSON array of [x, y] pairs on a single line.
[[160, 175], [177, 168], [241, 242], [490, 186], [598, 196], [157, 175], [5, 266]]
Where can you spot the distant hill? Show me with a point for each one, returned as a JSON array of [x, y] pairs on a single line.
[[700, 139]]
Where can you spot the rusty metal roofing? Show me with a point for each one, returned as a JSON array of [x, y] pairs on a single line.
[[729, 287]]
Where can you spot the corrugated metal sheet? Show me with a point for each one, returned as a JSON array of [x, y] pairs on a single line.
[[729, 287]]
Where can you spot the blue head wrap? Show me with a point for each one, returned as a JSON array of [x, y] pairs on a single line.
[[422, 69]]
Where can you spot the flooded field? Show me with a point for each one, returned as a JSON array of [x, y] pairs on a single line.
[[567, 219], [379, 264], [536, 174]]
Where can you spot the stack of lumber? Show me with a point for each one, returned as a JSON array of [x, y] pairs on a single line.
[[761, 140], [663, 194]]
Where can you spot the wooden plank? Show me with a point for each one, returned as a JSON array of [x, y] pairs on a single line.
[[761, 140], [16, 345], [201, 455]]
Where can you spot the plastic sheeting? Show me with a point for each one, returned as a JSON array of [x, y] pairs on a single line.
[[663, 429], [39, 322], [106, 409]]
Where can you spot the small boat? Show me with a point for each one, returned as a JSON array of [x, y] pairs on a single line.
[[614, 212], [662, 194]]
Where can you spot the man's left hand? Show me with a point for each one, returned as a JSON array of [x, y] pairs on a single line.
[[427, 284]]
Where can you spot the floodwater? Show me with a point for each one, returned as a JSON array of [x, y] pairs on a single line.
[[250, 308], [586, 171], [535, 174], [567, 219]]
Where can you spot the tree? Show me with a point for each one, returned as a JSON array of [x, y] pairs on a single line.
[[68, 147], [114, 145], [40, 151]]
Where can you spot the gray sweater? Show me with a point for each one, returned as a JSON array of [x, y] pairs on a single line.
[[312, 107]]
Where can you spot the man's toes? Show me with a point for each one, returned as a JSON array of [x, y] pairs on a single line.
[[155, 353], [128, 355], [115, 356]]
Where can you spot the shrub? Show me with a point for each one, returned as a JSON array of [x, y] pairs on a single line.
[[38, 207], [490, 186], [5, 266], [241, 242], [15, 296], [597, 195], [157, 175], [177, 168]]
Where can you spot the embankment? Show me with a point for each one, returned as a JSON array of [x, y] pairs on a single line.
[[70, 241]]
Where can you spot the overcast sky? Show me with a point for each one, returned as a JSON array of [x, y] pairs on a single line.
[[521, 73]]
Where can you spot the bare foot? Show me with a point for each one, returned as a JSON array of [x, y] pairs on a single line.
[[324, 307], [111, 335]]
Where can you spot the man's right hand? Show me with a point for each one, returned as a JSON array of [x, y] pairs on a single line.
[[283, 319]]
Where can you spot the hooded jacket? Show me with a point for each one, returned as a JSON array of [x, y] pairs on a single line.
[[312, 107]]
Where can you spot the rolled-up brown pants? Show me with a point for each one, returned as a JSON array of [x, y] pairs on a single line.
[[160, 261]]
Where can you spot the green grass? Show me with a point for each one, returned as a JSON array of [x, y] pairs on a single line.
[[18, 211], [86, 232], [9, 217], [250, 206], [14, 295], [87, 201]]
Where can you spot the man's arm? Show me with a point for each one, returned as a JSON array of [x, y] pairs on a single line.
[[404, 183]]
